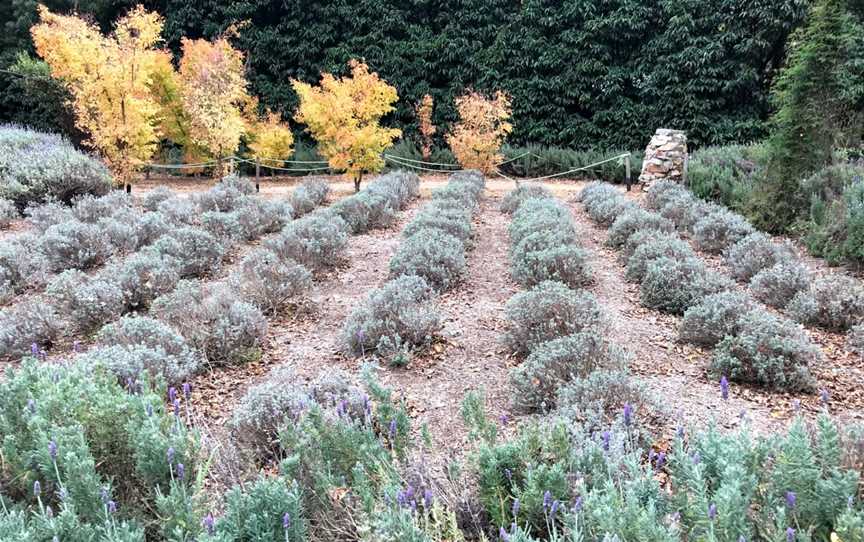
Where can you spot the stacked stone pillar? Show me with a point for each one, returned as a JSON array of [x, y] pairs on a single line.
[[665, 158]]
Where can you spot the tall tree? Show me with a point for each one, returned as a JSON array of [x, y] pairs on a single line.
[[483, 125], [343, 114]]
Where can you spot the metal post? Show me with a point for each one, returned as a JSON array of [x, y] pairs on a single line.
[[257, 175], [627, 172]]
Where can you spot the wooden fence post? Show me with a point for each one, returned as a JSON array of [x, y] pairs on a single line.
[[627, 172], [257, 175]]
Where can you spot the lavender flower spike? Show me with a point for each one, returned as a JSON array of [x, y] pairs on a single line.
[[187, 390], [37, 488], [392, 429], [286, 521], [577, 506], [172, 393], [628, 414], [181, 471], [724, 388], [791, 499], [712, 511], [52, 449], [207, 522], [515, 507], [502, 535], [112, 507], [547, 499], [170, 455], [790, 534]]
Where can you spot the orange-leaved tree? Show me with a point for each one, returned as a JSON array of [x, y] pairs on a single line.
[[483, 125], [269, 138], [109, 79], [427, 129], [343, 114], [212, 87]]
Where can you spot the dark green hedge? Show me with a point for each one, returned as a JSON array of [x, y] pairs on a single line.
[[582, 73]]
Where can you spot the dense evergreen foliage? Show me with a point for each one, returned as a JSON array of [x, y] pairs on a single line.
[[582, 74]]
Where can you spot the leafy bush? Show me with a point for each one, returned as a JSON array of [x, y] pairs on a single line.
[[662, 246], [44, 215], [564, 263], [315, 241], [178, 210], [832, 301], [719, 230], [676, 285], [661, 193], [268, 282], [364, 211], [74, 245], [92, 209], [223, 226], [714, 317], [32, 321], [8, 213], [768, 351], [836, 227], [596, 192], [309, 195], [214, 320], [144, 276], [685, 211], [88, 301], [537, 215], [198, 252], [94, 447], [257, 216], [605, 212], [726, 174], [548, 311], [258, 513], [633, 220], [454, 222], [150, 345], [396, 317], [35, 167], [525, 191], [856, 338], [598, 398], [458, 194], [20, 267], [432, 254], [754, 253], [225, 196], [778, 284], [156, 196], [554, 363]]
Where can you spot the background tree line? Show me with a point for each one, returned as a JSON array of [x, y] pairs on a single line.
[[581, 74]]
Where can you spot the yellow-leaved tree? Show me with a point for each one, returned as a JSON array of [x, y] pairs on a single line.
[[109, 79], [212, 87], [427, 129], [269, 139], [483, 125], [343, 114]]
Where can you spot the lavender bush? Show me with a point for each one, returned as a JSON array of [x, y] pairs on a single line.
[[268, 282], [676, 285], [714, 317], [778, 284], [832, 301], [755, 253]]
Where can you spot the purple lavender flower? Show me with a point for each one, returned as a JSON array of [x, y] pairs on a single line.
[[607, 437], [170, 455], [392, 429], [187, 390], [112, 507], [172, 394], [712, 511], [502, 535], [680, 432], [824, 396], [628, 414], [547, 499], [696, 458], [76, 346], [790, 534], [63, 494], [181, 471], [207, 522], [49, 512], [796, 405], [577, 506], [34, 349], [149, 410], [31, 406], [177, 407], [554, 509], [742, 539], [103, 495], [724, 388], [504, 419], [286, 521], [52, 449], [509, 474], [651, 455], [515, 507], [791, 499], [661, 460], [37, 488]]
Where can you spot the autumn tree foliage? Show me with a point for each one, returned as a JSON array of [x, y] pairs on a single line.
[[269, 138], [343, 114], [483, 125], [427, 129], [109, 79]]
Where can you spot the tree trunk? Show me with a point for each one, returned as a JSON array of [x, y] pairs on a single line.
[[357, 180], [128, 188]]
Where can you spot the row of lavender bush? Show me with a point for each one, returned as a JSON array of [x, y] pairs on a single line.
[[775, 274], [399, 316]]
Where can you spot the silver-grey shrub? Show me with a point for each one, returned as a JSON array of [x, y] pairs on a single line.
[[754, 253], [178, 210], [719, 230], [44, 215], [215, 320], [130, 363], [32, 321], [174, 360], [430, 253], [120, 233], [399, 313], [21, 266], [832, 301], [460, 194], [855, 337], [548, 311], [554, 363], [684, 211], [525, 191], [75, 245], [144, 276], [221, 225], [778, 284], [674, 286], [597, 400], [536, 215], [198, 252], [633, 220], [35, 167], [667, 246], [309, 195], [715, 317], [768, 351], [316, 240], [157, 195], [269, 282], [566, 263], [455, 222], [88, 302], [257, 216], [225, 196], [92, 209], [662, 192], [149, 227], [597, 191], [8, 213], [605, 212], [399, 186]]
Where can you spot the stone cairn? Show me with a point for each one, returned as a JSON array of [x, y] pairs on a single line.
[[665, 158]]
